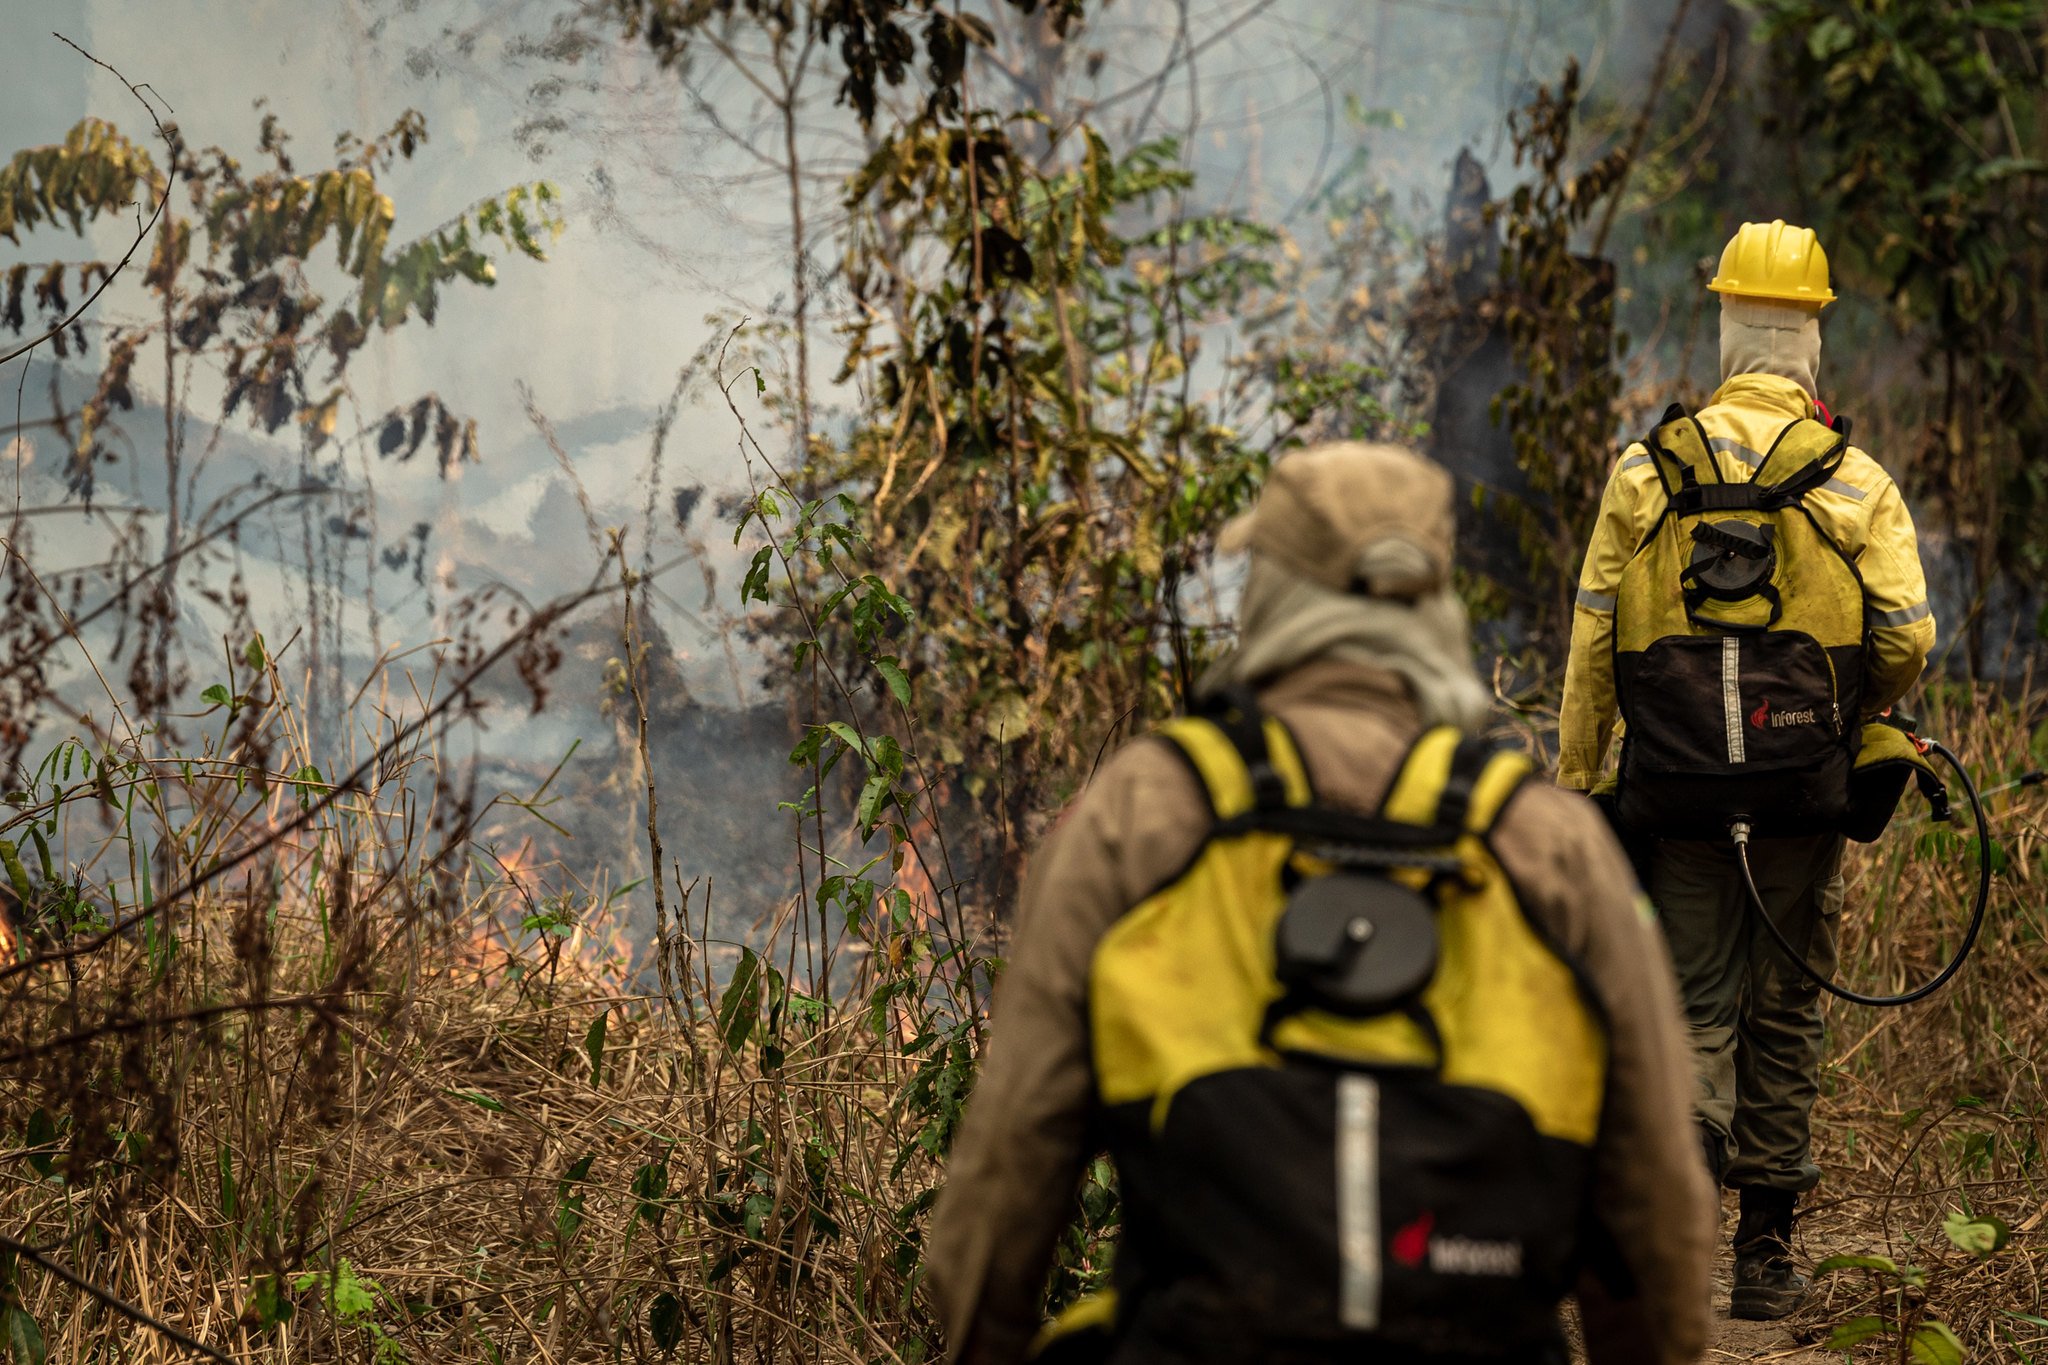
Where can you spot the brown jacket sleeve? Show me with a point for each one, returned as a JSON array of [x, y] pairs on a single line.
[[1024, 1140], [1651, 1193]]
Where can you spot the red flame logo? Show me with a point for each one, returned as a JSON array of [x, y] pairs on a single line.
[[1762, 715], [1410, 1246]]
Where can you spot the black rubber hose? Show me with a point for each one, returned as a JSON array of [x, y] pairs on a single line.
[[1940, 978]]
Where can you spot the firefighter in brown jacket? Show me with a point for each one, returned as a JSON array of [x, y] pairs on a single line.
[[1415, 1170]]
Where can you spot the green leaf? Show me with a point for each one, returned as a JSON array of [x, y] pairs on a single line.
[[306, 779], [347, 1296], [593, 1046], [267, 1296], [24, 1338], [1830, 36], [17, 875], [875, 794], [2007, 168], [807, 748], [225, 1159], [650, 1187], [42, 1132], [1980, 1236], [1856, 1330], [754, 587], [1932, 1343], [253, 654], [665, 1322], [1880, 1263], [479, 1099], [570, 1196], [353, 1297], [217, 694], [740, 1006], [557, 920], [899, 682]]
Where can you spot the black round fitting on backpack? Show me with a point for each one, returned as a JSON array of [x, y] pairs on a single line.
[[1732, 561], [1356, 945]]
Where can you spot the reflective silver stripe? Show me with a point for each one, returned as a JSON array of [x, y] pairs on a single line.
[[1847, 490], [1632, 461], [1904, 616], [1358, 1200], [1596, 601], [1728, 445], [1731, 696]]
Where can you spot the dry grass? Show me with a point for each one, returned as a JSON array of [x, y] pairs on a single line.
[[463, 1106], [400, 1130], [1941, 1107]]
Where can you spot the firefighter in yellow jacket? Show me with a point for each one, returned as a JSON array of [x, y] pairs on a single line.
[[1752, 591], [1382, 1043]]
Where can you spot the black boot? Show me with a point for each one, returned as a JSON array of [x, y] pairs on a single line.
[[1766, 1285]]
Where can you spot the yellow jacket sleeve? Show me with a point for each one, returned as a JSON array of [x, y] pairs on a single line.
[[1586, 720], [1896, 608]]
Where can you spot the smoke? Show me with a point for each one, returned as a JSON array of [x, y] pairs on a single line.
[[679, 227]]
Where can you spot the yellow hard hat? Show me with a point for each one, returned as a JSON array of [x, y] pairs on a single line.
[[1775, 260]]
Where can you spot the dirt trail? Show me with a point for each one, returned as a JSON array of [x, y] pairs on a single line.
[[1793, 1342], [1781, 1342], [1730, 1340]]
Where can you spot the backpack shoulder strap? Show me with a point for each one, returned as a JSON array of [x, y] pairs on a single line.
[[1680, 450], [1806, 455], [1454, 780], [1247, 761]]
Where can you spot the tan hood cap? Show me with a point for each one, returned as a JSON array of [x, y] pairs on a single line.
[[1356, 518]]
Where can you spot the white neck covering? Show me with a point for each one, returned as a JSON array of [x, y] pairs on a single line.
[[1285, 620], [1761, 337]]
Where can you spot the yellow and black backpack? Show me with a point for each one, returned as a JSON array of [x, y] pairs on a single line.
[[1351, 1090], [1739, 644]]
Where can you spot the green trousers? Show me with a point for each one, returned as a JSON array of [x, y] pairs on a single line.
[[1755, 1020]]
